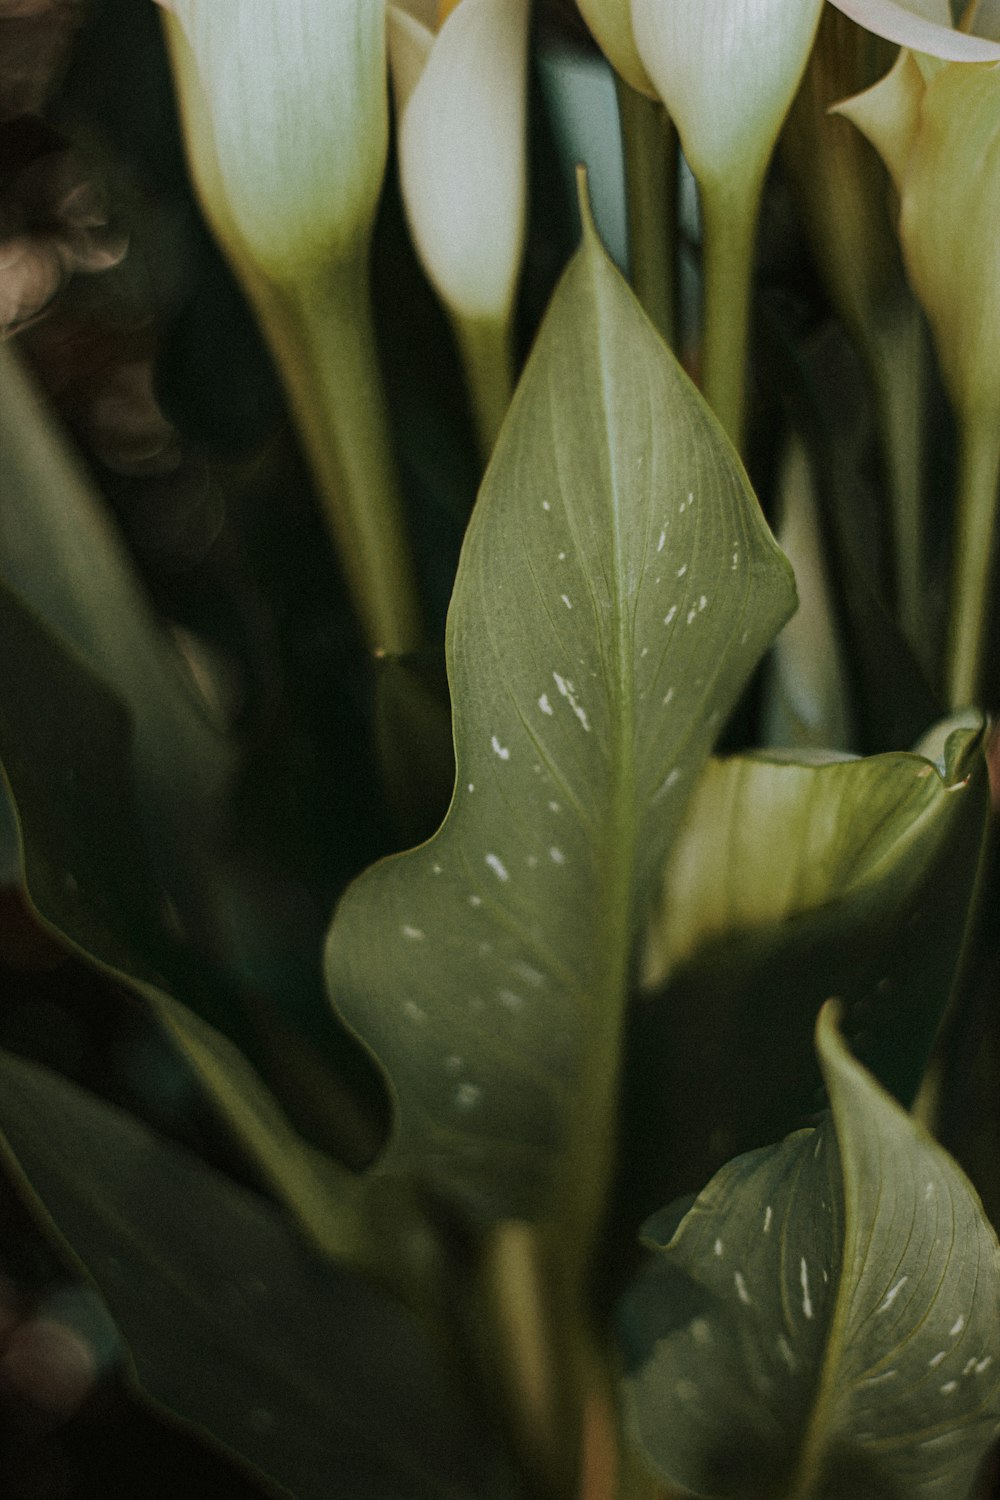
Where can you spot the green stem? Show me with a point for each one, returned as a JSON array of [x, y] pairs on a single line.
[[729, 222], [488, 360], [896, 358], [323, 340], [649, 143], [979, 475]]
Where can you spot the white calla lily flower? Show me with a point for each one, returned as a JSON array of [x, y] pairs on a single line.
[[926, 26], [610, 23], [286, 120], [461, 97], [938, 131], [286, 115], [727, 71]]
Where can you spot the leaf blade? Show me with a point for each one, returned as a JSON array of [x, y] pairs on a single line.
[[842, 1332], [616, 587]]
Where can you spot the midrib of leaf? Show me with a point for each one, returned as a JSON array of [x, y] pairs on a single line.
[[589, 1151], [814, 1444]]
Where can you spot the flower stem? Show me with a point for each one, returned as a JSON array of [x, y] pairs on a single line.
[[896, 358], [975, 541], [649, 143], [322, 338], [488, 360], [729, 221]]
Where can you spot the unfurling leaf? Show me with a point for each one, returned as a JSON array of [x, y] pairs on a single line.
[[824, 1323], [790, 882], [617, 585]]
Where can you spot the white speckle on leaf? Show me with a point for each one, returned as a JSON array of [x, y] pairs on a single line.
[[568, 691], [554, 807], [557, 856], [970, 1365], [736, 559], [565, 600], [471, 786], [929, 1190], [546, 505], [644, 651], [891, 1295], [785, 1350], [413, 933], [885, 1375], [467, 1095], [682, 570], [768, 1216], [948, 1387], [718, 1247], [984, 1364], [436, 870], [690, 497], [741, 1288], [497, 866], [498, 749], [662, 541], [453, 1063], [510, 1000], [744, 637], [957, 1326], [691, 616], [703, 602], [936, 1359], [668, 696], [807, 1307], [413, 1012], [562, 556], [701, 1332], [529, 974], [532, 861], [475, 900], [545, 705], [670, 615]]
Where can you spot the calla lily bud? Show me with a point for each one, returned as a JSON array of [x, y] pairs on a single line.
[[727, 71], [941, 142], [461, 96], [923, 26], [610, 23], [286, 117]]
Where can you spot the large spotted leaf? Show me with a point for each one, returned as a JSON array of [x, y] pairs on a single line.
[[824, 1323], [616, 587]]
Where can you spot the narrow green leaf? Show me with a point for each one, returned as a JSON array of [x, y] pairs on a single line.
[[824, 1324], [792, 882], [616, 587], [326, 1385], [59, 553]]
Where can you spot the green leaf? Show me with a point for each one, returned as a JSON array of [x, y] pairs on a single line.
[[790, 883], [327, 1386], [616, 587], [67, 752], [825, 1322], [59, 553]]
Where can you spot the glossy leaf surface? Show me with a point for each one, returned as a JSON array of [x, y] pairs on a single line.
[[825, 1321], [790, 883], [616, 587], [327, 1386]]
